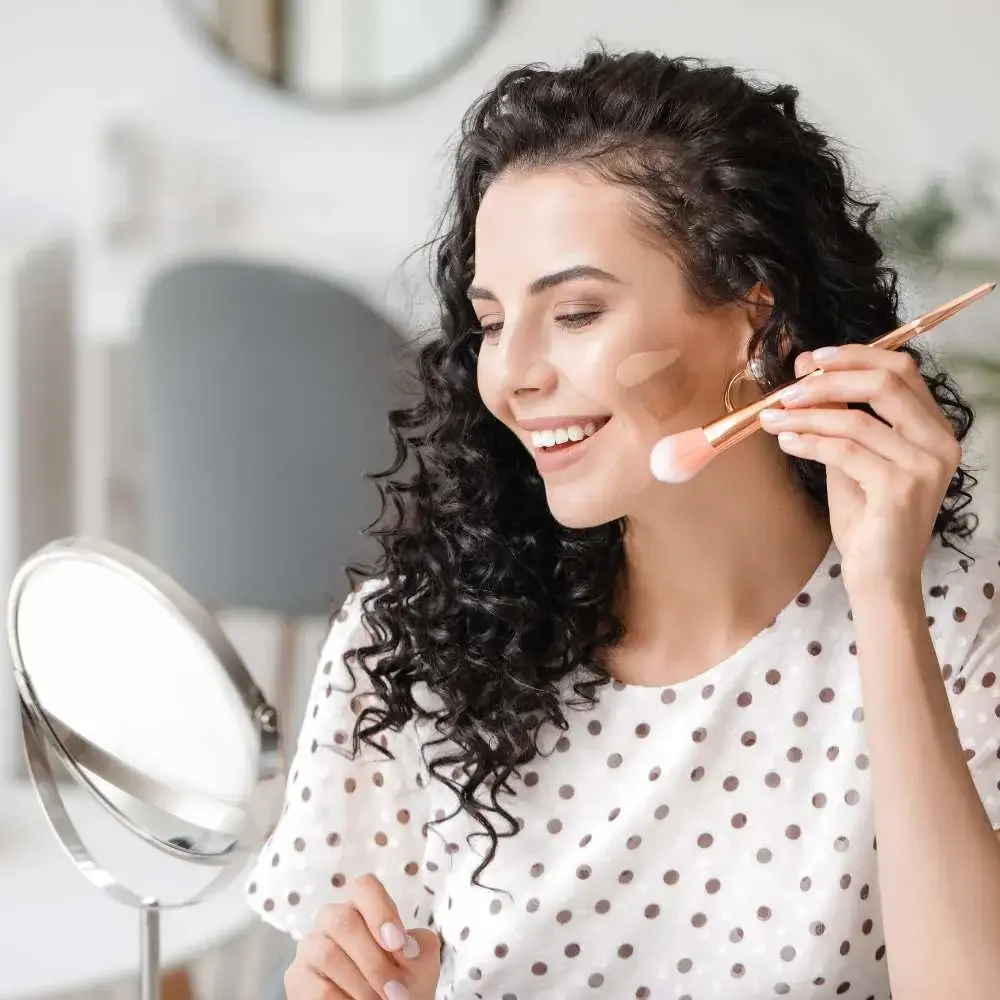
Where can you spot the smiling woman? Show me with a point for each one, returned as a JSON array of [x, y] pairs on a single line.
[[612, 737]]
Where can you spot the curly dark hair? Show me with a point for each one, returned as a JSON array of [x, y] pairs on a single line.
[[504, 614]]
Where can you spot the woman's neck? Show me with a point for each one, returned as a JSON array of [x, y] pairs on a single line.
[[711, 567]]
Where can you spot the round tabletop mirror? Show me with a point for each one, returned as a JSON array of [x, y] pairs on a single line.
[[343, 53], [132, 689]]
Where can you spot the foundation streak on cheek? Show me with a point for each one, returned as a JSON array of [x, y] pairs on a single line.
[[657, 382]]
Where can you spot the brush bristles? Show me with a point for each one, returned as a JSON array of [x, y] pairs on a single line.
[[680, 457]]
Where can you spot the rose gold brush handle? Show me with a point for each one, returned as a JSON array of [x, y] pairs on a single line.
[[732, 429]]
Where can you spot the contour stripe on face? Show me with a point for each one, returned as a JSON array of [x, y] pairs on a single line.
[[637, 368]]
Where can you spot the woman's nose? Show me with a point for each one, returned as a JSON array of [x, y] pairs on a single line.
[[526, 367]]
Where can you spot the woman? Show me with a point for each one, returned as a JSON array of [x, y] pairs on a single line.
[[595, 735]]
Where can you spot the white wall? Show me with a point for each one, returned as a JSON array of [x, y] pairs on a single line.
[[912, 92]]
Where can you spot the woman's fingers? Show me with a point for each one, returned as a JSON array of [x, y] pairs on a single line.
[[345, 952], [304, 981], [382, 917], [854, 425]]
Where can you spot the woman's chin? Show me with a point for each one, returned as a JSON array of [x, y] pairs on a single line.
[[572, 509]]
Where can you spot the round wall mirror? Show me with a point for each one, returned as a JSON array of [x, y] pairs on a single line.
[[343, 53]]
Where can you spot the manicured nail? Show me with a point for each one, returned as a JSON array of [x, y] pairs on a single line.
[[412, 947], [773, 416], [822, 354], [392, 936], [788, 439], [792, 393], [396, 991]]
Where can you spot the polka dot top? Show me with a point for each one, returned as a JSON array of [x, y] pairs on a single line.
[[710, 839]]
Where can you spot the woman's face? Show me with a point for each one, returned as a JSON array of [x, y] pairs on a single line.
[[592, 347]]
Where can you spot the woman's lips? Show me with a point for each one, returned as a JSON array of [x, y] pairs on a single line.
[[560, 456]]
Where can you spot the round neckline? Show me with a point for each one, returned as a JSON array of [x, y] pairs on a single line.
[[823, 573]]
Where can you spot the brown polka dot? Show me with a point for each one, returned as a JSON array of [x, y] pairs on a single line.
[[800, 719], [739, 821], [959, 686], [307, 794], [626, 951], [803, 600], [699, 735], [539, 969], [294, 899], [655, 774], [772, 779], [562, 744], [832, 753], [661, 812], [749, 738], [378, 780], [594, 727], [268, 905], [851, 797], [707, 691], [615, 760], [642, 993], [625, 877], [989, 679], [737, 971], [793, 832], [745, 699], [699, 920], [496, 906], [671, 877], [572, 950], [566, 792], [712, 886], [684, 966], [537, 869], [806, 884], [584, 872], [845, 947], [554, 825], [531, 779], [350, 786], [764, 856], [861, 761], [411, 868], [585, 839], [794, 754], [736, 935], [698, 773], [595, 981], [866, 927], [814, 648], [642, 730], [251, 888], [333, 839], [533, 904], [845, 881], [668, 696], [817, 928], [338, 881], [843, 988], [731, 783], [787, 953], [464, 935], [300, 844], [959, 614], [475, 974], [835, 570], [763, 912], [602, 906], [705, 840], [772, 677], [381, 839], [633, 842], [819, 800], [988, 591], [652, 911], [841, 844], [614, 814], [782, 989], [275, 861], [880, 953], [564, 917], [865, 891]]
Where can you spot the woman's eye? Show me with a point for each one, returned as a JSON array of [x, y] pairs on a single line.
[[578, 319], [490, 331]]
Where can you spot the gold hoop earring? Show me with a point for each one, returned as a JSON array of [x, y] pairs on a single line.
[[751, 372]]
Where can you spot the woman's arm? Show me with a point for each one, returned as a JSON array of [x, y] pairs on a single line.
[[938, 857]]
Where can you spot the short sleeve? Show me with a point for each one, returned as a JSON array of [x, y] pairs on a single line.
[[964, 604], [342, 816]]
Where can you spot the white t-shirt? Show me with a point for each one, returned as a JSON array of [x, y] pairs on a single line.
[[710, 839]]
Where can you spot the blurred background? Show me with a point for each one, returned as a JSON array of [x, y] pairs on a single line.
[[211, 215]]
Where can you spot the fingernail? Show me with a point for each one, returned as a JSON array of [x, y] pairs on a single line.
[[822, 354], [396, 991], [772, 416], [412, 947], [792, 393], [788, 438], [392, 936]]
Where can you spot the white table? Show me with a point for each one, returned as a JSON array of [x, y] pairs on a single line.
[[58, 933]]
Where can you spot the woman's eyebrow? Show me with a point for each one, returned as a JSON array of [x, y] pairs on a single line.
[[548, 281]]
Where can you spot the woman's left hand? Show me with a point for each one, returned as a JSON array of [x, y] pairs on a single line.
[[886, 481]]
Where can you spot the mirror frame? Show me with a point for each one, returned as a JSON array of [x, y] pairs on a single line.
[[394, 96]]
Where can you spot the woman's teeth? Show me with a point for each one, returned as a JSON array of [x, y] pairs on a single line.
[[562, 435]]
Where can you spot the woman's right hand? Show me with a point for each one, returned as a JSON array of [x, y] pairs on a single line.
[[360, 950]]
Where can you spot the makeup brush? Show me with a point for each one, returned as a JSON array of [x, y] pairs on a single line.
[[680, 457]]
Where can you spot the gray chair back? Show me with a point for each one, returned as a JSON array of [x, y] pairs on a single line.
[[265, 394]]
